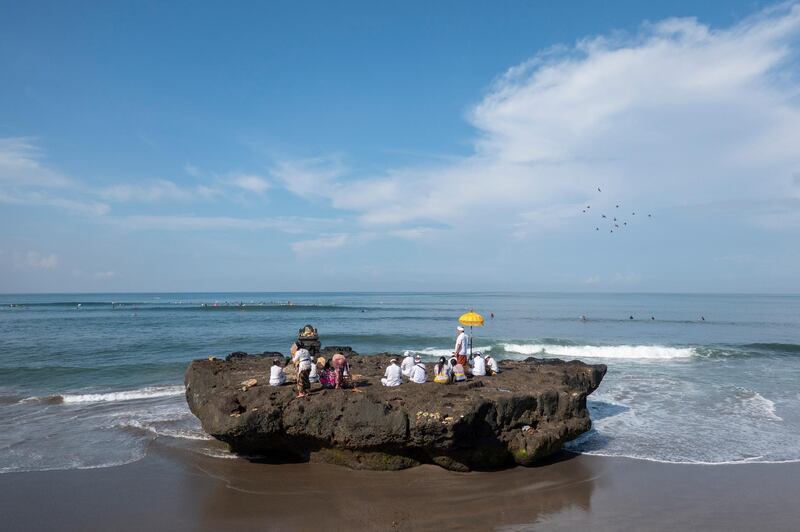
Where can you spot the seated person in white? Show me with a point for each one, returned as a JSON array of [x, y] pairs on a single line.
[[276, 375], [478, 365], [313, 375], [492, 365], [407, 364], [393, 375], [418, 372]]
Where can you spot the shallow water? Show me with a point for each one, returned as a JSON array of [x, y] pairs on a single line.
[[88, 380]]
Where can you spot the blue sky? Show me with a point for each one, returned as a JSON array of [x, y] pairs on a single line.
[[412, 146]]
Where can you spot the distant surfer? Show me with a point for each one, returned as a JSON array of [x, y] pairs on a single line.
[[583, 317]]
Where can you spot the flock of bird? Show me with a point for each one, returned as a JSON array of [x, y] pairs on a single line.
[[614, 222]]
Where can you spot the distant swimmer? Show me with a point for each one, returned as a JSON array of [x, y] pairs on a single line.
[[702, 318], [633, 214], [491, 315], [649, 215], [615, 219], [603, 215], [652, 318], [630, 317], [598, 189], [583, 317], [617, 206], [588, 206], [596, 228]]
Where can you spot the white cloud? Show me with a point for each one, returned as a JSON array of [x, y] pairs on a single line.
[[678, 113], [33, 260], [88, 207], [20, 165], [288, 224], [323, 243], [250, 183], [153, 191]]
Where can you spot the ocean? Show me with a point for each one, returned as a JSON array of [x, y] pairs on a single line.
[[90, 380]]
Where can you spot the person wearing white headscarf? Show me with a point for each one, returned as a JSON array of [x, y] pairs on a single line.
[[393, 375], [407, 364]]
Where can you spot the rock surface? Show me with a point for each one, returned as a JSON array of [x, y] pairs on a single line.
[[525, 413]]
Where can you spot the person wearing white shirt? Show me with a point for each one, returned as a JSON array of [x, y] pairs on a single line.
[[462, 346], [393, 375], [276, 375], [478, 366], [418, 372], [492, 365], [407, 364]]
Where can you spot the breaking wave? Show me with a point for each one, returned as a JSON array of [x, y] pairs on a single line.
[[655, 352], [149, 392]]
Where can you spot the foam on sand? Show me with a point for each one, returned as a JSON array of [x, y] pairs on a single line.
[[602, 351]]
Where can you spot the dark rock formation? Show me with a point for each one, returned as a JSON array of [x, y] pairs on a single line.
[[525, 413]]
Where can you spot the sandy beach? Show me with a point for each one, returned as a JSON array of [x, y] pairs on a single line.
[[172, 489]]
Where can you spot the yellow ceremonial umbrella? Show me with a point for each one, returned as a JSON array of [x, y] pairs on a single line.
[[473, 319]]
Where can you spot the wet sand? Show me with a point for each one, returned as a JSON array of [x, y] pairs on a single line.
[[175, 489]]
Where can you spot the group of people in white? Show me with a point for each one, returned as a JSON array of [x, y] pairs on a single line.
[[456, 369], [444, 371], [335, 373]]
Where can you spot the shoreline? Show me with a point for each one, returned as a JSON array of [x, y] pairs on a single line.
[[178, 489]]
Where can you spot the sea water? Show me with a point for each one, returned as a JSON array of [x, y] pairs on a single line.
[[89, 380]]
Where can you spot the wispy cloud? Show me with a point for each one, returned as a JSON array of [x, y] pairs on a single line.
[[21, 165], [93, 208], [290, 225], [323, 243], [154, 191], [33, 260], [250, 182]]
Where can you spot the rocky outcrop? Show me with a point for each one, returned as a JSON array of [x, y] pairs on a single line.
[[522, 415]]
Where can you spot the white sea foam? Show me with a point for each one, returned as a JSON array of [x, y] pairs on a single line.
[[436, 353], [128, 395], [756, 405], [180, 433], [602, 351]]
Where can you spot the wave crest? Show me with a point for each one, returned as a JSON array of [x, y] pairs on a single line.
[[656, 352]]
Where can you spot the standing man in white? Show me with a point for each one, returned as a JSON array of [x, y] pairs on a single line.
[[462, 346]]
